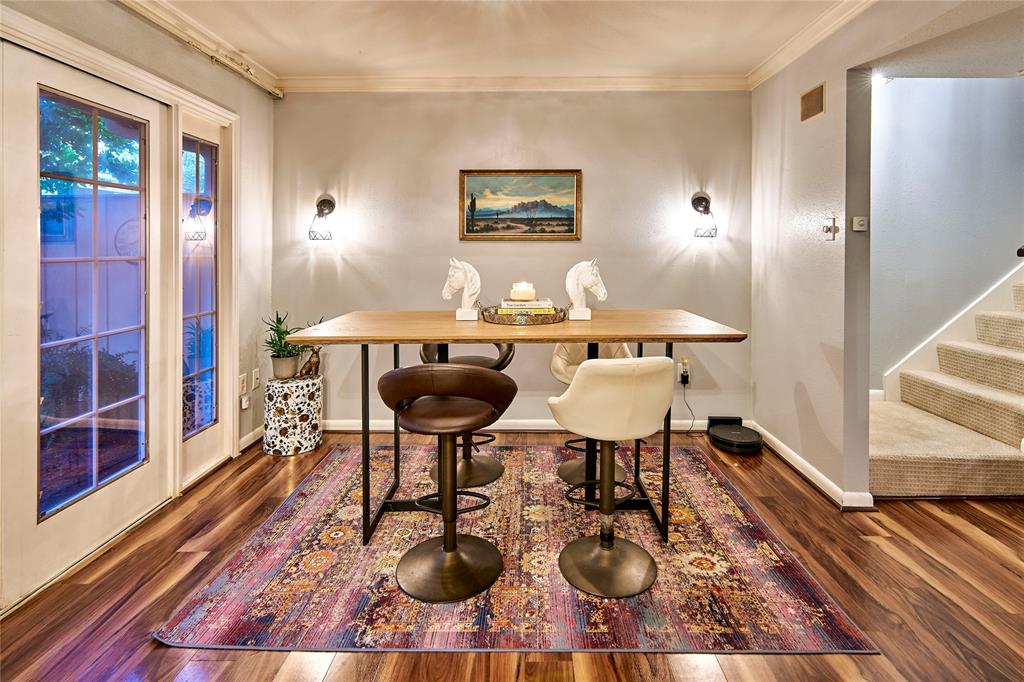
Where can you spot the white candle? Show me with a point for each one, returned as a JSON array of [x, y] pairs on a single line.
[[522, 291]]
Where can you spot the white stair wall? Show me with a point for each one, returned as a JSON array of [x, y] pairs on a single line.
[[962, 327]]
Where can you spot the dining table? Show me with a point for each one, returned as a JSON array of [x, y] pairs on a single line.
[[396, 327]]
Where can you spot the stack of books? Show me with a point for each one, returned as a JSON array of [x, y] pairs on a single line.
[[541, 306]]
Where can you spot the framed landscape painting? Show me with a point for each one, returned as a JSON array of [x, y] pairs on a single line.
[[524, 205]]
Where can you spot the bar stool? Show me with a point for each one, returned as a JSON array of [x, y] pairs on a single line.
[[565, 361], [610, 400], [447, 400], [474, 470]]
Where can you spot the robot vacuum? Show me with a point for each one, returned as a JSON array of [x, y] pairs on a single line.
[[729, 434]]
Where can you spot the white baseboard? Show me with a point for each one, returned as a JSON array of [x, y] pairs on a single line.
[[500, 425], [845, 499], [876, 394], [249, 438]]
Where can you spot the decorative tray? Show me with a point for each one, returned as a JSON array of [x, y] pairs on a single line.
[[491, 315]]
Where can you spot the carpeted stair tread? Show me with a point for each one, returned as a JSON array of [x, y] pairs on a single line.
[[915, 453], [1018, 297], [983, 363], [1001, 329], [989, 411]]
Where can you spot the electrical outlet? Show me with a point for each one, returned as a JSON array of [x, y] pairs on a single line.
[[245, 402], [241, 383], [684, 372], [255, 377]]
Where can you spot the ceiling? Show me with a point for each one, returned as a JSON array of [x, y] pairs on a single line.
[[298, 45]]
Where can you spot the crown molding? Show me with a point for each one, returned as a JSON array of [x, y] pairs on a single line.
[[513, 84], [178, 23], [815, 32], [184, 28], [34, 35]]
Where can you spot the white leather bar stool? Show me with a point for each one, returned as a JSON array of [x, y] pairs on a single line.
[[566, 359], [610, 400]]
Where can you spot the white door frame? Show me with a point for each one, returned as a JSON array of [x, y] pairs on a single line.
[[36, 36]]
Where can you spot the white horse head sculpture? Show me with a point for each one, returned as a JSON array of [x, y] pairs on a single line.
[[462, 275], [581, 278]]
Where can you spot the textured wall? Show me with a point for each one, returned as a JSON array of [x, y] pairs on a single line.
[[393, 162], [800, 335], [947, 167], [117, 31]]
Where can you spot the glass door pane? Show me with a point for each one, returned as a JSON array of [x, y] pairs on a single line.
[[199, 285], [92, 307]]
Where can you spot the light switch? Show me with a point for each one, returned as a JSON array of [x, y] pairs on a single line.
[[241, 384], [255, 377]]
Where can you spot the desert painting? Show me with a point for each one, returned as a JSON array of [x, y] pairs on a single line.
[[520, 204]]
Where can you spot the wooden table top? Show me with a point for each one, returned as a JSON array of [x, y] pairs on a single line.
[[440, 326]]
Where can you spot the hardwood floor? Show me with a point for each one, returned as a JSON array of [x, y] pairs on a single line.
[[939, 587]]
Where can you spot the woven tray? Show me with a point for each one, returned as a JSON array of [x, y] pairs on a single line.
[[491, 315]]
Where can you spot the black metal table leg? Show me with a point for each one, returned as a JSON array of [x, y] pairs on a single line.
[[398, 441], [442, 352], [666, 452], [590, 456], [636, 443], [365, 399]]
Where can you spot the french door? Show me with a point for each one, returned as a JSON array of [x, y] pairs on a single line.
[[88, 325], [205, 397]]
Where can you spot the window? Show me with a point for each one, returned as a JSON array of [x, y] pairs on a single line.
[[199, 285], [92, 307]]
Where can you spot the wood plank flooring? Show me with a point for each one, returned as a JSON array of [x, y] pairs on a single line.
[[939, 587]]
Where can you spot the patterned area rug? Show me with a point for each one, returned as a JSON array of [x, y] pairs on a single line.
[[725, 583]]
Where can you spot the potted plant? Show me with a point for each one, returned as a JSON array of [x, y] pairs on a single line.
[[283, 355]]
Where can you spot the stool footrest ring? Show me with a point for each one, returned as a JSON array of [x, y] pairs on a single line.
[[574, 444], [596, 503], [421, 503], [480, 438]]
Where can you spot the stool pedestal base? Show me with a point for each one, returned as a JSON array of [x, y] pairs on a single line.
[[428, 573], [624, 570], [479, 470], [573, 471]]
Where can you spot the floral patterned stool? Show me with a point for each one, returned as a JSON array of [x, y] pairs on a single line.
[[292, 412]]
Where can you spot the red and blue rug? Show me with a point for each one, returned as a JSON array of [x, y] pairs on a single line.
[[302, 581]]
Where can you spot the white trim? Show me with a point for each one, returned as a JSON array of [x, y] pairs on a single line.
[[89, 556], [876, 394], [203, 473], [960, 327], [386, 425], [514, 84], [807, 38], [187, 30], [845, 499], [254, 435], [45, 40]]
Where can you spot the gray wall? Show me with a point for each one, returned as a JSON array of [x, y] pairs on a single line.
[[804, 392], [115, 30], [947, 183], [393, 162]]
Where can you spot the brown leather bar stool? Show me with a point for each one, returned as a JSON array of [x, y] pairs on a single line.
[[474, 470], [447, 400]]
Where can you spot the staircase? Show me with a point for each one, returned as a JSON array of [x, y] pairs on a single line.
[[958, 430]]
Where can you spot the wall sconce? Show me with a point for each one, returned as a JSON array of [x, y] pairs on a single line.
[[193, 226], [701, 203], [318, 231]]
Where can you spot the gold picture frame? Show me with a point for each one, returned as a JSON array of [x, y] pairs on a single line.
[[520, 205]]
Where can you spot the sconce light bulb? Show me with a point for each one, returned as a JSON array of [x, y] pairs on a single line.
[[880, 79], [325, 206]]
